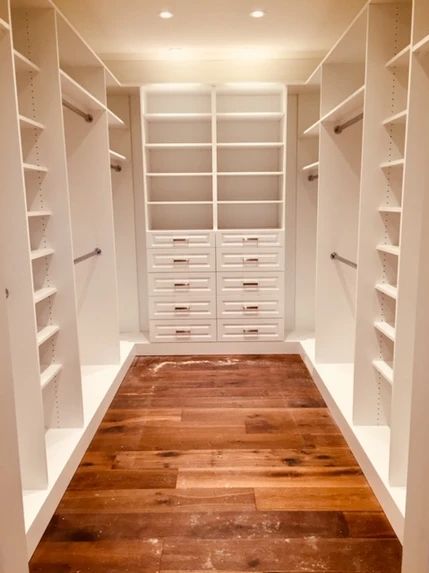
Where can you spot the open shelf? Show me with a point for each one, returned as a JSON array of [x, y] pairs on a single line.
[[387, 289], [386, 329], [251, 145], [41, 253], [397, 118], [384, 369], [180, 202], [35, 214], [75, 93], [35, 168], [389, 249], [178, 145], [313, 130], [28, 123], [401, 59], [179, 174], [390, 209], [23, 64], [4, 26], [44, 293], [311, 166], [178, 116], [422, 46], [117, 156], [250, 116], [350, 105], [114, 120], [49, 374], [46, 333], [251, 173], [391, 164]]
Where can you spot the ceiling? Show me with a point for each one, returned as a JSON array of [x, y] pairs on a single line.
[[210, 29]]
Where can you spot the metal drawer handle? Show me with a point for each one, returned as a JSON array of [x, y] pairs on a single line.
[[182, 285], [250, 260], [183, 332], [250, 307], [250, 239], [180, 240], [182, 308], [250, 331], [250, 284], [180, 261]]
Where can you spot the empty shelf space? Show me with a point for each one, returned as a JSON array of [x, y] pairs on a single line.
[[349, 106], [114, 120], [252, 173], [251, 145], [28, 123], [40, 253], [273, 115], [390, 164], [313, 130], [389, 249], [311, 166], [401, 59], [397, 118], [35, 214], [36, 168], [43, 294], [390, 209], [178, 145], [387, 289], [384, 369], [46, 333], [116, 156], [179, 174], [178, 116], [422, 46], [386, 329], [73, 92], [23, 64], [49, 374], [180, 202], [255, 202]]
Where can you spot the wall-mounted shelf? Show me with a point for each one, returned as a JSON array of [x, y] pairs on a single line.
[[389, 249], [251, 145], [384, 369], [396, 163], [28, 123], [422, 46], [41, 253], [46, 333], [313, 130], [177, 116], [387, 289], [114, 120], [73, 92], [178, 146], [386, 329], [256, 116], [35, 168], [23, 64], [311, 166], [179, 174], [249, 173], [390, 209], [49, 374], [349, 106], [397, 118], [35, 214], [44, 293], [401, 59], [4, 26], [117, 156]]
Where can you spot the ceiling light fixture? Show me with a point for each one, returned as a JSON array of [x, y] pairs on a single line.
[[166, 14], [257, 14]]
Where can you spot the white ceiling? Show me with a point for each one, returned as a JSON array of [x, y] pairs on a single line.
[[210, 29]]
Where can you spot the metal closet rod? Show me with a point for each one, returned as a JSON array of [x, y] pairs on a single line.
[[340, 128], [86, 116], [116, 168], [93, 253], [340, 259]]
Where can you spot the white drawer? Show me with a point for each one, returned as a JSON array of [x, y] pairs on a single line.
[[250, 305], [180, 239], [161, 308], [250, 283], [182, 330], [179, 285], [181, 260], [249, 260], [249, 239], [252, 330]]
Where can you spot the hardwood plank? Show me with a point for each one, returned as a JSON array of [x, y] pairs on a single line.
[[87, 479], [368, 525], [317, 499]]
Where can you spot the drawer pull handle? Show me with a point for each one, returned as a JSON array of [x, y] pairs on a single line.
[[180, 240], [183, 332], [250, 331], [182, 285], [250, 239], [250, 307], [250, 284], [182, 308], [180, 261], [247, 260]]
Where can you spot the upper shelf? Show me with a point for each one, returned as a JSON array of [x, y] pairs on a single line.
[[4, 26], [178, 116], [313, 130], [255, 116], [73, 92], [114, 120], [401, 59], [23, 64], [422, 47], [352, 104]]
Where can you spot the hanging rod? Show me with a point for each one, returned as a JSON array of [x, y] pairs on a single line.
[[340, 128], [116, 168], [86, 116], [93, 253], [313, 177], [337, 257]]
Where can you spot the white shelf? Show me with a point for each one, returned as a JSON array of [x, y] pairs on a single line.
[[352, 104], [180, 202], [251, 145], [117, 156], [386, 329], [389, 249], [49, 374], [23, 64], [247, 173], [178, 116], [387, 289], [313, 130], [46, 333], [254, 116], [401, 59], [114, 120], [422, 46], [44, 293], [28, 123], [178, 145], [35, 214], [35, 168], [254, 202], [73, 92], [180, 174], [40, 253], [392, 164], [4, 26], [384, 369], [311, 166], [397, 118], [389, 209]]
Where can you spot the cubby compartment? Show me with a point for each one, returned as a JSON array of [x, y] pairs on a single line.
[[177, 217], [178, 100], [248, 100], [248, 160], [178, 189], [249, 216], [179, 131], [257, 130], [250, 188], [179, 160]]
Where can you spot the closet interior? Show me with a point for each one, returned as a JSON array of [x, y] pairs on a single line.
[[222, 218]]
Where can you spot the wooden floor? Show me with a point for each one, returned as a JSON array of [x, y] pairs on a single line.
[[218, 464]]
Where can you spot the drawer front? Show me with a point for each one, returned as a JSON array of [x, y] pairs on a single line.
[[182, 330], [249, 240], [248, 306], [249, 260], [252, 330], [162, 308], [181, 285], [250, 284], [180, 260], [180, 239]]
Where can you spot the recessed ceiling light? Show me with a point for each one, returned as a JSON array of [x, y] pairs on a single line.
[[257, 14], [166, 14]]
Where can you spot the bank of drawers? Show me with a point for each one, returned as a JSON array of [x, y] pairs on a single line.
[[227, 285]]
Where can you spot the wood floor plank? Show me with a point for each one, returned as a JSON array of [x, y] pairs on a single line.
[[218, 463]]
